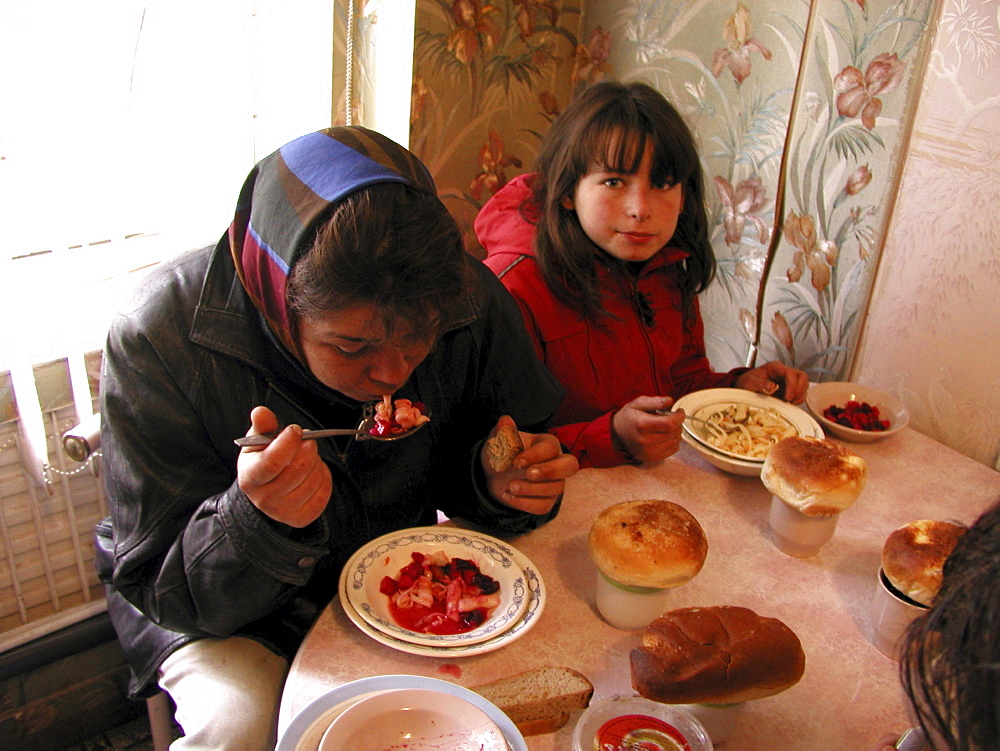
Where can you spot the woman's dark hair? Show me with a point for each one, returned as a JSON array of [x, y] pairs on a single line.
[[390, 246], [610, 123], [950, 655]]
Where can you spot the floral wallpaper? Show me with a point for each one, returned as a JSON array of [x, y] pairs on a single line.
[[931, 335], [488, 79], [861, 73], [804, 113]]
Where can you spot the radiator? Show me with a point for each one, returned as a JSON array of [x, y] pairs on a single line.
[[47, 578]]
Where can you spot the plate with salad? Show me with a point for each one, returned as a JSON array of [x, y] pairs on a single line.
[[436, 586]]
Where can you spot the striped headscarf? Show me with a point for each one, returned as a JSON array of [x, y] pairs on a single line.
[[291, 191]]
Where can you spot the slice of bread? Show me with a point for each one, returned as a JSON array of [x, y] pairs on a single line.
[[541, 700], [503, 446]]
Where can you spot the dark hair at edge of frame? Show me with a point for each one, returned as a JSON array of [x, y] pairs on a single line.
[[950, 656], [388, 245], [588, 129]]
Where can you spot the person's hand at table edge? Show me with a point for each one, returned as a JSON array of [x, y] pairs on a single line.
[[646, 430], [776, 379], [529, 477]]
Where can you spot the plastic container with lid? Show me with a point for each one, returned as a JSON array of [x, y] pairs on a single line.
[[621, 722]]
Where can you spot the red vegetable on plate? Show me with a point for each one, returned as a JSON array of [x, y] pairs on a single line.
[[435, 594], [856, 415]]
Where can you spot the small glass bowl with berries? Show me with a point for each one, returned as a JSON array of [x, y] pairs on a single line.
[[857, 413]]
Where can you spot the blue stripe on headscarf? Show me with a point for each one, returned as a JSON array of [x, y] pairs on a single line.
[[309, 158], [282, 264]]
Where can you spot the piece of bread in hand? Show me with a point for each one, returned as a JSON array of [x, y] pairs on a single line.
[[503, 446], [715, 655], [541, 700]]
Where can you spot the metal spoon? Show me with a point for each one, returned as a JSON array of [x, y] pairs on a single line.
[[689, 417], [707, 422], [361, 433]]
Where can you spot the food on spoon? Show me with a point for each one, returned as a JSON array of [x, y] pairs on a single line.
[[856, 415], [393, 418], [913, 557], [647, 543], [815, 476], [503, 446], [435, 594], [540, 700], [716, 655]]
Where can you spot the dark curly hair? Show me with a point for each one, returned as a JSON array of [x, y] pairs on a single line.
[[950, 655]]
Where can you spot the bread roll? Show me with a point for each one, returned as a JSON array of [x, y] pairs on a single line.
[[815, 476], [717, 655], [913, 557], [540, 700], [647, 544], [503, 446]]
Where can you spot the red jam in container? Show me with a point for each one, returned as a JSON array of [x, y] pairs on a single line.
[[624, 723]]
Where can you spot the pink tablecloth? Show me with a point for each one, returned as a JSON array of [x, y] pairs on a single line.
[[849, 695]]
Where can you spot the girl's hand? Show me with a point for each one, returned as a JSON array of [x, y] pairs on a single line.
[[776, 379], [886, 743], [538, 476], [286, 479], [645, 435]]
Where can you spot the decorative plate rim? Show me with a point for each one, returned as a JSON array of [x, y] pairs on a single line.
[[535, 606], [452, 541]]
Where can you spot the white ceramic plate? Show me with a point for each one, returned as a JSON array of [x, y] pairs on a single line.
[[725, 463], [306, 729], [703, 433], [692, 403], [388, 554], [704, 403], [535, 590], [417, 718]]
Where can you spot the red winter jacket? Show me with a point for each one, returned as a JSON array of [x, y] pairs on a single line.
[[601, 365]]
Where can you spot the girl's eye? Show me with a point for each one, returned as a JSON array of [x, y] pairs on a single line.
[[666, 183], [613, 182]]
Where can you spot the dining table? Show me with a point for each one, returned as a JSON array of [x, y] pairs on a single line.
[[849, 695]]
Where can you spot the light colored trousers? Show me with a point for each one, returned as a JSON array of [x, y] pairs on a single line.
[[226, 692]]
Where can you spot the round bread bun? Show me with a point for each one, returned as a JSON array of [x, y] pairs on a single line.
[[715, 655], [913, 557], [647, 544], [816, 476]]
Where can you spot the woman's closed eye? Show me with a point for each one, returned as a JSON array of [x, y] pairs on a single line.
[[353, 349]]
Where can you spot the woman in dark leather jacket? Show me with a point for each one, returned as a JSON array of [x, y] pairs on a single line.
[[342, 278]]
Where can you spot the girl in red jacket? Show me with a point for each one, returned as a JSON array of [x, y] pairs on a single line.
[[605, 248]]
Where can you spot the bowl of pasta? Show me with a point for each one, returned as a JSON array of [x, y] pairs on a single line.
[[857, 413], [735, 428]]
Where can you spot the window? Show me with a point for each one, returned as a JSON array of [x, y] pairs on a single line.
[[128, 128]]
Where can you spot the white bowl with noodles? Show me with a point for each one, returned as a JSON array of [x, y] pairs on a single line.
[[822, 396], [793, 419]]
